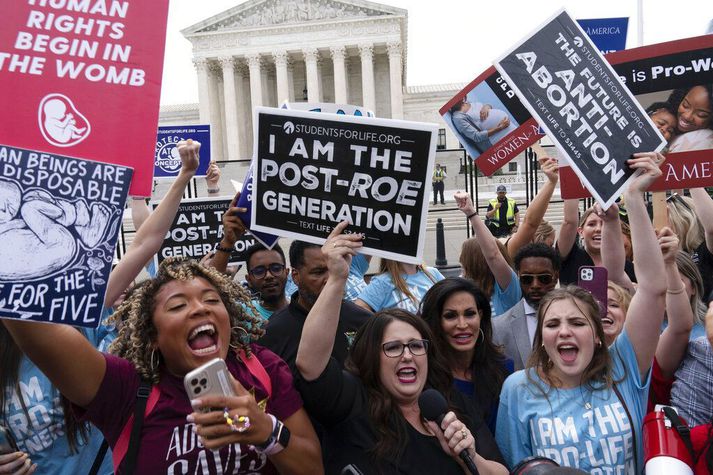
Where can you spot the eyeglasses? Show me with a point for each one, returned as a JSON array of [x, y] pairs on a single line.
[[260, 272], [394, 349], [544, 279]]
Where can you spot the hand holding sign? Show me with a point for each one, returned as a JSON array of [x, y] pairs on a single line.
[[339, 249], [649, 163], [233, 226], [668, 242], [213, 175]]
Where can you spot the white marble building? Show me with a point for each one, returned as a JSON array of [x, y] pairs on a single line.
[[262, 52]]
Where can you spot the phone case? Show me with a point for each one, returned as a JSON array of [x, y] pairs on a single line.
[[211, 378], [594, 279]]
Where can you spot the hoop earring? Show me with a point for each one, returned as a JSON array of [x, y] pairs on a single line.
[[247, 337], [480, 337], [151, 362]]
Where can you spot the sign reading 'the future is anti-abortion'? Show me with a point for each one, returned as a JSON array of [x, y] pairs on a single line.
[[313, 170], [578, 98], [83, 79]]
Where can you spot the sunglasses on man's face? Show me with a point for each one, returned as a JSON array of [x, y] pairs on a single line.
[[260, 272], [544, 279]]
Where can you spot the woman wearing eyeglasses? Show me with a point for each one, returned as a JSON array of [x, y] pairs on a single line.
[[370, 410], [458, 314]]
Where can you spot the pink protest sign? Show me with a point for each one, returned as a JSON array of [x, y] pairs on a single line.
[[83, 79]]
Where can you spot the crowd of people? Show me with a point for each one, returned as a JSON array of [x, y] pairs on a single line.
[[332, 371]]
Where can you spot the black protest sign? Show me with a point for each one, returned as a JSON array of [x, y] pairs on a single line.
[[314, 170], [197, 229], [59, 222], [582, 104]]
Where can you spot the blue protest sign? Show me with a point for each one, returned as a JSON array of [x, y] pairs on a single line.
[[607, 34], [59, 222], [167, 163]]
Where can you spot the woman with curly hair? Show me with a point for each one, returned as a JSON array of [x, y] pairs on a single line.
[[579, 401], [184, 317], [371, 410], [458, 314]]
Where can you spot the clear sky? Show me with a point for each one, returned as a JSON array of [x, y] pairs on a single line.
[[452, 40]]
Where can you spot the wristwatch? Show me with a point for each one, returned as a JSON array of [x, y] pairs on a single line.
[[278, 440]]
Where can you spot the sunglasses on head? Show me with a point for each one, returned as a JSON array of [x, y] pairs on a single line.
[[676, 198], [544, 279], [260, 272]]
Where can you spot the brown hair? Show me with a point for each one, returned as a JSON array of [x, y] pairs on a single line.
[[475, 267], [365, 362], [598, 373], [137, 331], [543, 231]]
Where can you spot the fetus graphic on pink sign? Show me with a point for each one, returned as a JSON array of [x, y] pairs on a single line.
[[61, 123]]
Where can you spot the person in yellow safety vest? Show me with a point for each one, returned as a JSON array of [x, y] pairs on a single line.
[[438, 185], [502, 224]]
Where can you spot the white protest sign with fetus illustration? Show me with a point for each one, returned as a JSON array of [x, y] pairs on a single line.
[[59, 222]]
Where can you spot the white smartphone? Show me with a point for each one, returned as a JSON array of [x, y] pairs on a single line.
[[211, 378]]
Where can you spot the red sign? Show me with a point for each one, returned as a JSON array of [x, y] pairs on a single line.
[[83, 79], [680, 170]]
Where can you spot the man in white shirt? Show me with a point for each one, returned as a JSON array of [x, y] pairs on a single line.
[[537, 267]]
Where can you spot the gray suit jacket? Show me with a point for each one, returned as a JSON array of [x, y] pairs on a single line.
[[510, 331]]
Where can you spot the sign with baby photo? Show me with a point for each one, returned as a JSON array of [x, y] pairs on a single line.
[[59, 222], [83, 78], [672, 81], [313, 170], [587, 111]]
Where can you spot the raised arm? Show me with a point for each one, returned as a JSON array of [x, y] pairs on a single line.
[[645, 315], [488, 243], [321, 324], [612, 248], [568, 230], [233, 228], [139, 212], [150, 236], [704, 210], [674, 339], [538, 207]]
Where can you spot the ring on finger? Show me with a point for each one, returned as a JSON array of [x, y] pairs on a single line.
[[237, 424], [463, 433]]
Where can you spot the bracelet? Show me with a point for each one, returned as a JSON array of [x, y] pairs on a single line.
[[220, 248], [474, 213], [213, 190], [676, 292]]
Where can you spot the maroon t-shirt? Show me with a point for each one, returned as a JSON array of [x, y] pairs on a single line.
[[168, 443]]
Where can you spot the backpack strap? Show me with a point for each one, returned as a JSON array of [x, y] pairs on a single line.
[[128, 442], [101, 453], [258, 370], [631, 421]]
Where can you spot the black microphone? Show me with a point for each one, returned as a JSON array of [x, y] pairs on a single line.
[[434, 407]]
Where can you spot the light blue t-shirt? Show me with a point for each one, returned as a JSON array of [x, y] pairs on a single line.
[[504, 300], [42, 435], [381, 293], [576, 427]]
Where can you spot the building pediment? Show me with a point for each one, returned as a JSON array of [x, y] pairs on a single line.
[[271, 13]]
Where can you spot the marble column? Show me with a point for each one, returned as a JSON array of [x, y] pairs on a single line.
[[395, 80], [255, 80], [216, 122], [340, 74], [242, 104], [291, 80], [201, 66], [366, 51], [283, 82], [312, 73], [231, 108]]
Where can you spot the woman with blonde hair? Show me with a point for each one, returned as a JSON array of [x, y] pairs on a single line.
[[399, 285], [692, 219]]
